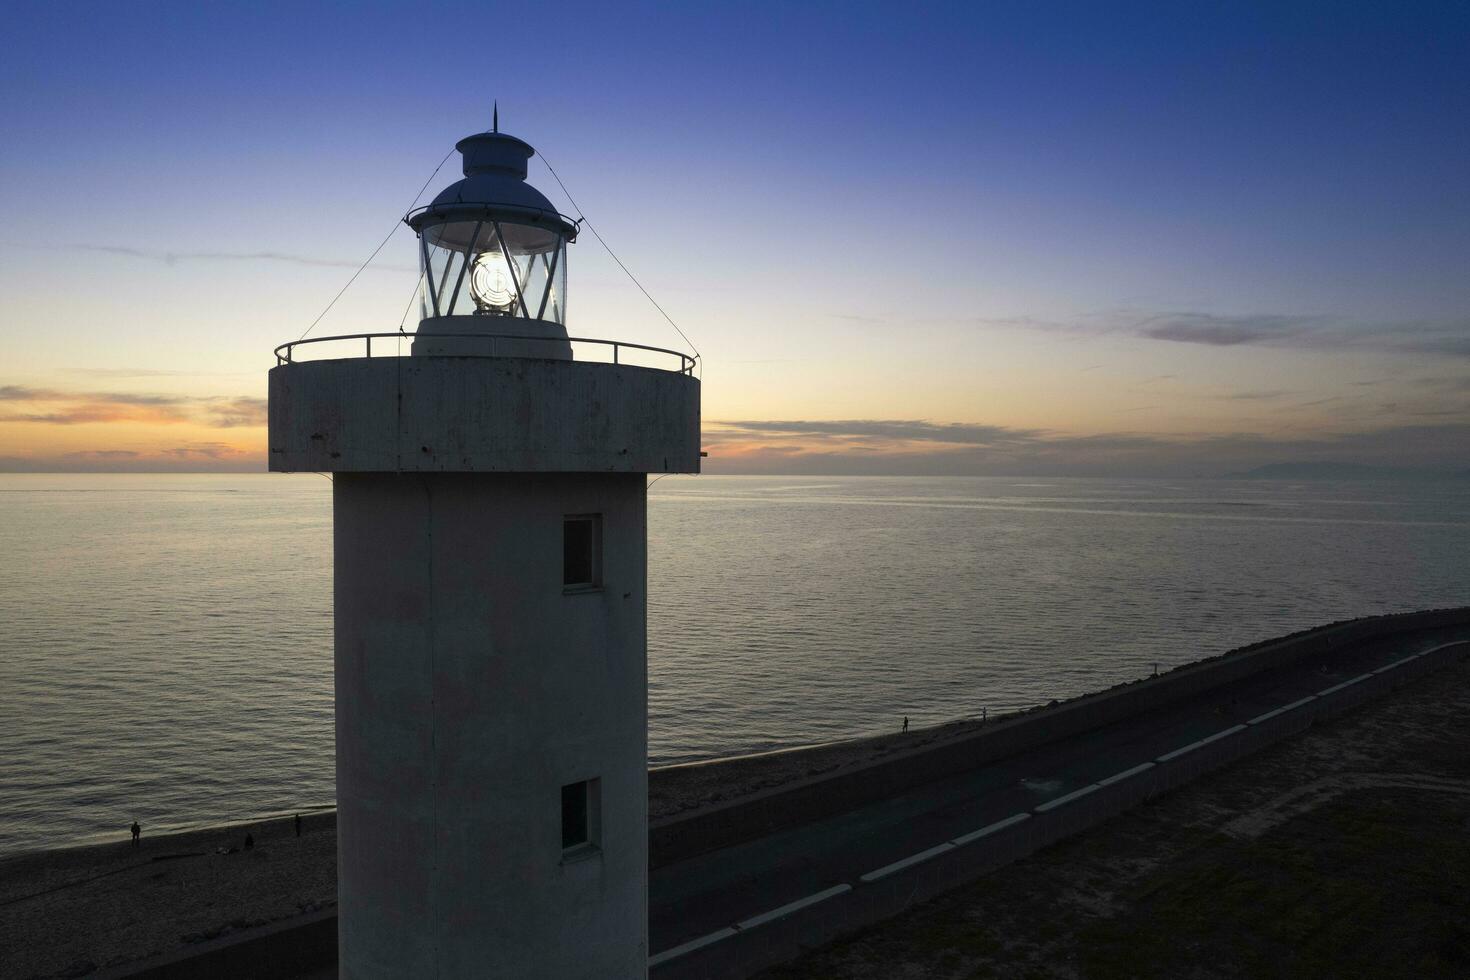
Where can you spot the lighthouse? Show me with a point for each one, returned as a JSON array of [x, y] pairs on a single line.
[[489, 507]]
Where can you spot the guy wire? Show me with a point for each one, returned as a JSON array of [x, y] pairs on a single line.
[[582, 219], [370, 258]]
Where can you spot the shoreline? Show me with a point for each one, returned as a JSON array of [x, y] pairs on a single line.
[[680, 788], [72, 910]]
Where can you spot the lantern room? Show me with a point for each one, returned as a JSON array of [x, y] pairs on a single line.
[[493, 257]]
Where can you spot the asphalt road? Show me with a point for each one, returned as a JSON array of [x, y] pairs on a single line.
[[698, 896]]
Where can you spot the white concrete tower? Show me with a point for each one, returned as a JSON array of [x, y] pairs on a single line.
[[490, 599]]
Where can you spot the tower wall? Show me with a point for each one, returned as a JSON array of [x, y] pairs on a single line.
[[490, 660], [471, 687]]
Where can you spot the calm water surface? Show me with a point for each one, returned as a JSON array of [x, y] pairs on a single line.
[[165, 641]]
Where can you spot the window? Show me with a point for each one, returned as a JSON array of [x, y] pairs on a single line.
[[579, 816], [581, 566]]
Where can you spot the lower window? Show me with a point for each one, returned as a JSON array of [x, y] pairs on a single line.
[[580, 815]]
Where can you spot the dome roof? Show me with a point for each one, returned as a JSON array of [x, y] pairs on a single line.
[[494, 187]]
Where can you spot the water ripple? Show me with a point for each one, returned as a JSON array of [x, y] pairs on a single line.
[[166, 650]]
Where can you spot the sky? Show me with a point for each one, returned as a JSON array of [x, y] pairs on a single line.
[[979, 238]]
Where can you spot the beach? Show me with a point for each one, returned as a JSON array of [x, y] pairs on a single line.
[[70, 911]]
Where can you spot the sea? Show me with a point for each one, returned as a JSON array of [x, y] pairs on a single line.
[[166, 640]]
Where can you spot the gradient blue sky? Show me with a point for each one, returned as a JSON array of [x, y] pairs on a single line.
[[1004, 237]]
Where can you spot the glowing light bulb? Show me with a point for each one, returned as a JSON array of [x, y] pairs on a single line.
[[490, 282]]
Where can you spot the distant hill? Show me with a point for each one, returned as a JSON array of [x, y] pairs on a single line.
[[1337, 471]]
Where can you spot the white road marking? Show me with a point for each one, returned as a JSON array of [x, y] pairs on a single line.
[[1118, 777], [989, 829], [1202, 742], [907, 862], [1397, 663], [1075, 794], [789, 907], [691, 946], [1338, 687], [1281, 710], [1442, 646]]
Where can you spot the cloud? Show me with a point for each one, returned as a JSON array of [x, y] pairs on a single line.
[[171, 257], [1460, 383], [127, 373], [202, 450], [233, 412], [191, 458], [1223, 331], [20, 393], [1441, 338], [49, 406], [1253, 396], [956, 433], [893, 446], [1081, 325]]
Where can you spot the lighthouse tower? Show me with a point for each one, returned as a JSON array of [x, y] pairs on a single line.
[[490, 580]]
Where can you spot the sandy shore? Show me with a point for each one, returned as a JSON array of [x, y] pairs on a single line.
[[68, 912]]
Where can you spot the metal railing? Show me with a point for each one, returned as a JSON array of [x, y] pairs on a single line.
[[449, 209], [285, 354]]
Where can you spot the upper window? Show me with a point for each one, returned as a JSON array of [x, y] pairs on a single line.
[[581, 566]]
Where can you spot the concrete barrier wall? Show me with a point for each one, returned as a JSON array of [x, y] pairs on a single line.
[[679, 837], [285, 949], [740, 951]]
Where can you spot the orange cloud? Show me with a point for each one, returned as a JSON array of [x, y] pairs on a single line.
[[52, 430], [898, 446], [51, 407]]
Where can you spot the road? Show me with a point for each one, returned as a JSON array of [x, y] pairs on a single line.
[[708, 893]]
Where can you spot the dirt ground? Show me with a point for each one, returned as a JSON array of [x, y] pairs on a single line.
[[1343, 852]]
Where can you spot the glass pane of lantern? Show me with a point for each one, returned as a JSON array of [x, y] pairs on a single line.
[[556, 303], [436, 276], [477, 271], [534, 280]]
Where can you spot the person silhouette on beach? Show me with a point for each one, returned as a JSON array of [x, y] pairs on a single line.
[[298, 825], [249, 841], [136, 831], [905, 723]]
